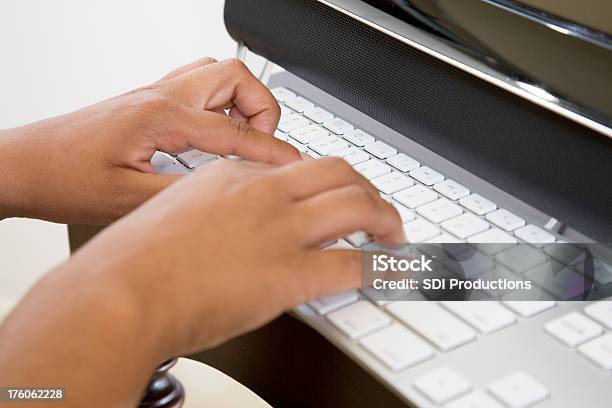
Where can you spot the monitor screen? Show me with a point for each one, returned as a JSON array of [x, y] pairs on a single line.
[[557, 48]]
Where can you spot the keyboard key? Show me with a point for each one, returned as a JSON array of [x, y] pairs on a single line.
[[358, 239], [520, 258], [434, 323], [602, 312], [299, 104], [309, 133], [372, 168], [194, 158], [487, 316], [442, 385], [519, 390], [358, 137], [352, 155], [444, 239], [405, 214], [465, 225], [397, 347], [534, 235], [599, 351], [439, 210], [451, 189], [164, 163], [415, 196], [327, 145], [496, 240], [282, 94], [420, 230], [499, 272], [326, 304], [478, 204], [338, 126], [601, 271], [566, 253], [380, 149], [559, 280], [359, 319], [573, 329], [427, 176], [292, 122], [392, 182], [318, 115], [474, 400], [527, 308], [285, 111], [505, 219], [468, 266], [313, 154], [403, 162]]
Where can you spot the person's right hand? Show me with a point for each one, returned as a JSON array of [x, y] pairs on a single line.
[[237, 243], [218, 253]]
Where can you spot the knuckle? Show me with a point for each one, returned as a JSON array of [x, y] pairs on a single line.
[[236, 64], [339, 166], [208, 60], [276, 110], [277, 145], [361, 199]]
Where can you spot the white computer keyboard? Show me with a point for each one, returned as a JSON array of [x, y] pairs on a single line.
[[437, 209], [419, 349]]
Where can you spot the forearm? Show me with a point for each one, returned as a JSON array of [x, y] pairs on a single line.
[[17, 176], [84, 329]]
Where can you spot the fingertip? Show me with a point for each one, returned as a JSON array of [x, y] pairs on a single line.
[[285, 153]]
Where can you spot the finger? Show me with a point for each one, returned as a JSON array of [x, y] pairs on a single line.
[[310, 177], [218, 134], [189, 67], [226, 84], [326, 272], [340, 212]]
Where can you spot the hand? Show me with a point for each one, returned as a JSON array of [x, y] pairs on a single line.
[[93, 166], [216, 254], [235, 244]]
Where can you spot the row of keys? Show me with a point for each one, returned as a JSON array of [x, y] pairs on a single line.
[[517, 390], [428, 319], [389, 181], [577, 330]]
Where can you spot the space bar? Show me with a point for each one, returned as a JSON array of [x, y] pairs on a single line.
[[434, 323]]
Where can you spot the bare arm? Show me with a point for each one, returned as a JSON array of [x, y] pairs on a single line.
[[214, 255], [92, 166]]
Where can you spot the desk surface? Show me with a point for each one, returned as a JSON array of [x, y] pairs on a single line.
[[208, 387]]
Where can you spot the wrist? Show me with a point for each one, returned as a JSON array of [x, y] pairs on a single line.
[[83, 316]]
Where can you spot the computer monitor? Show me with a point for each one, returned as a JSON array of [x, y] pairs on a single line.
[[559, 51]]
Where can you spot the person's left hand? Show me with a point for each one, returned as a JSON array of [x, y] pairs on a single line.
[[93, 166]]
